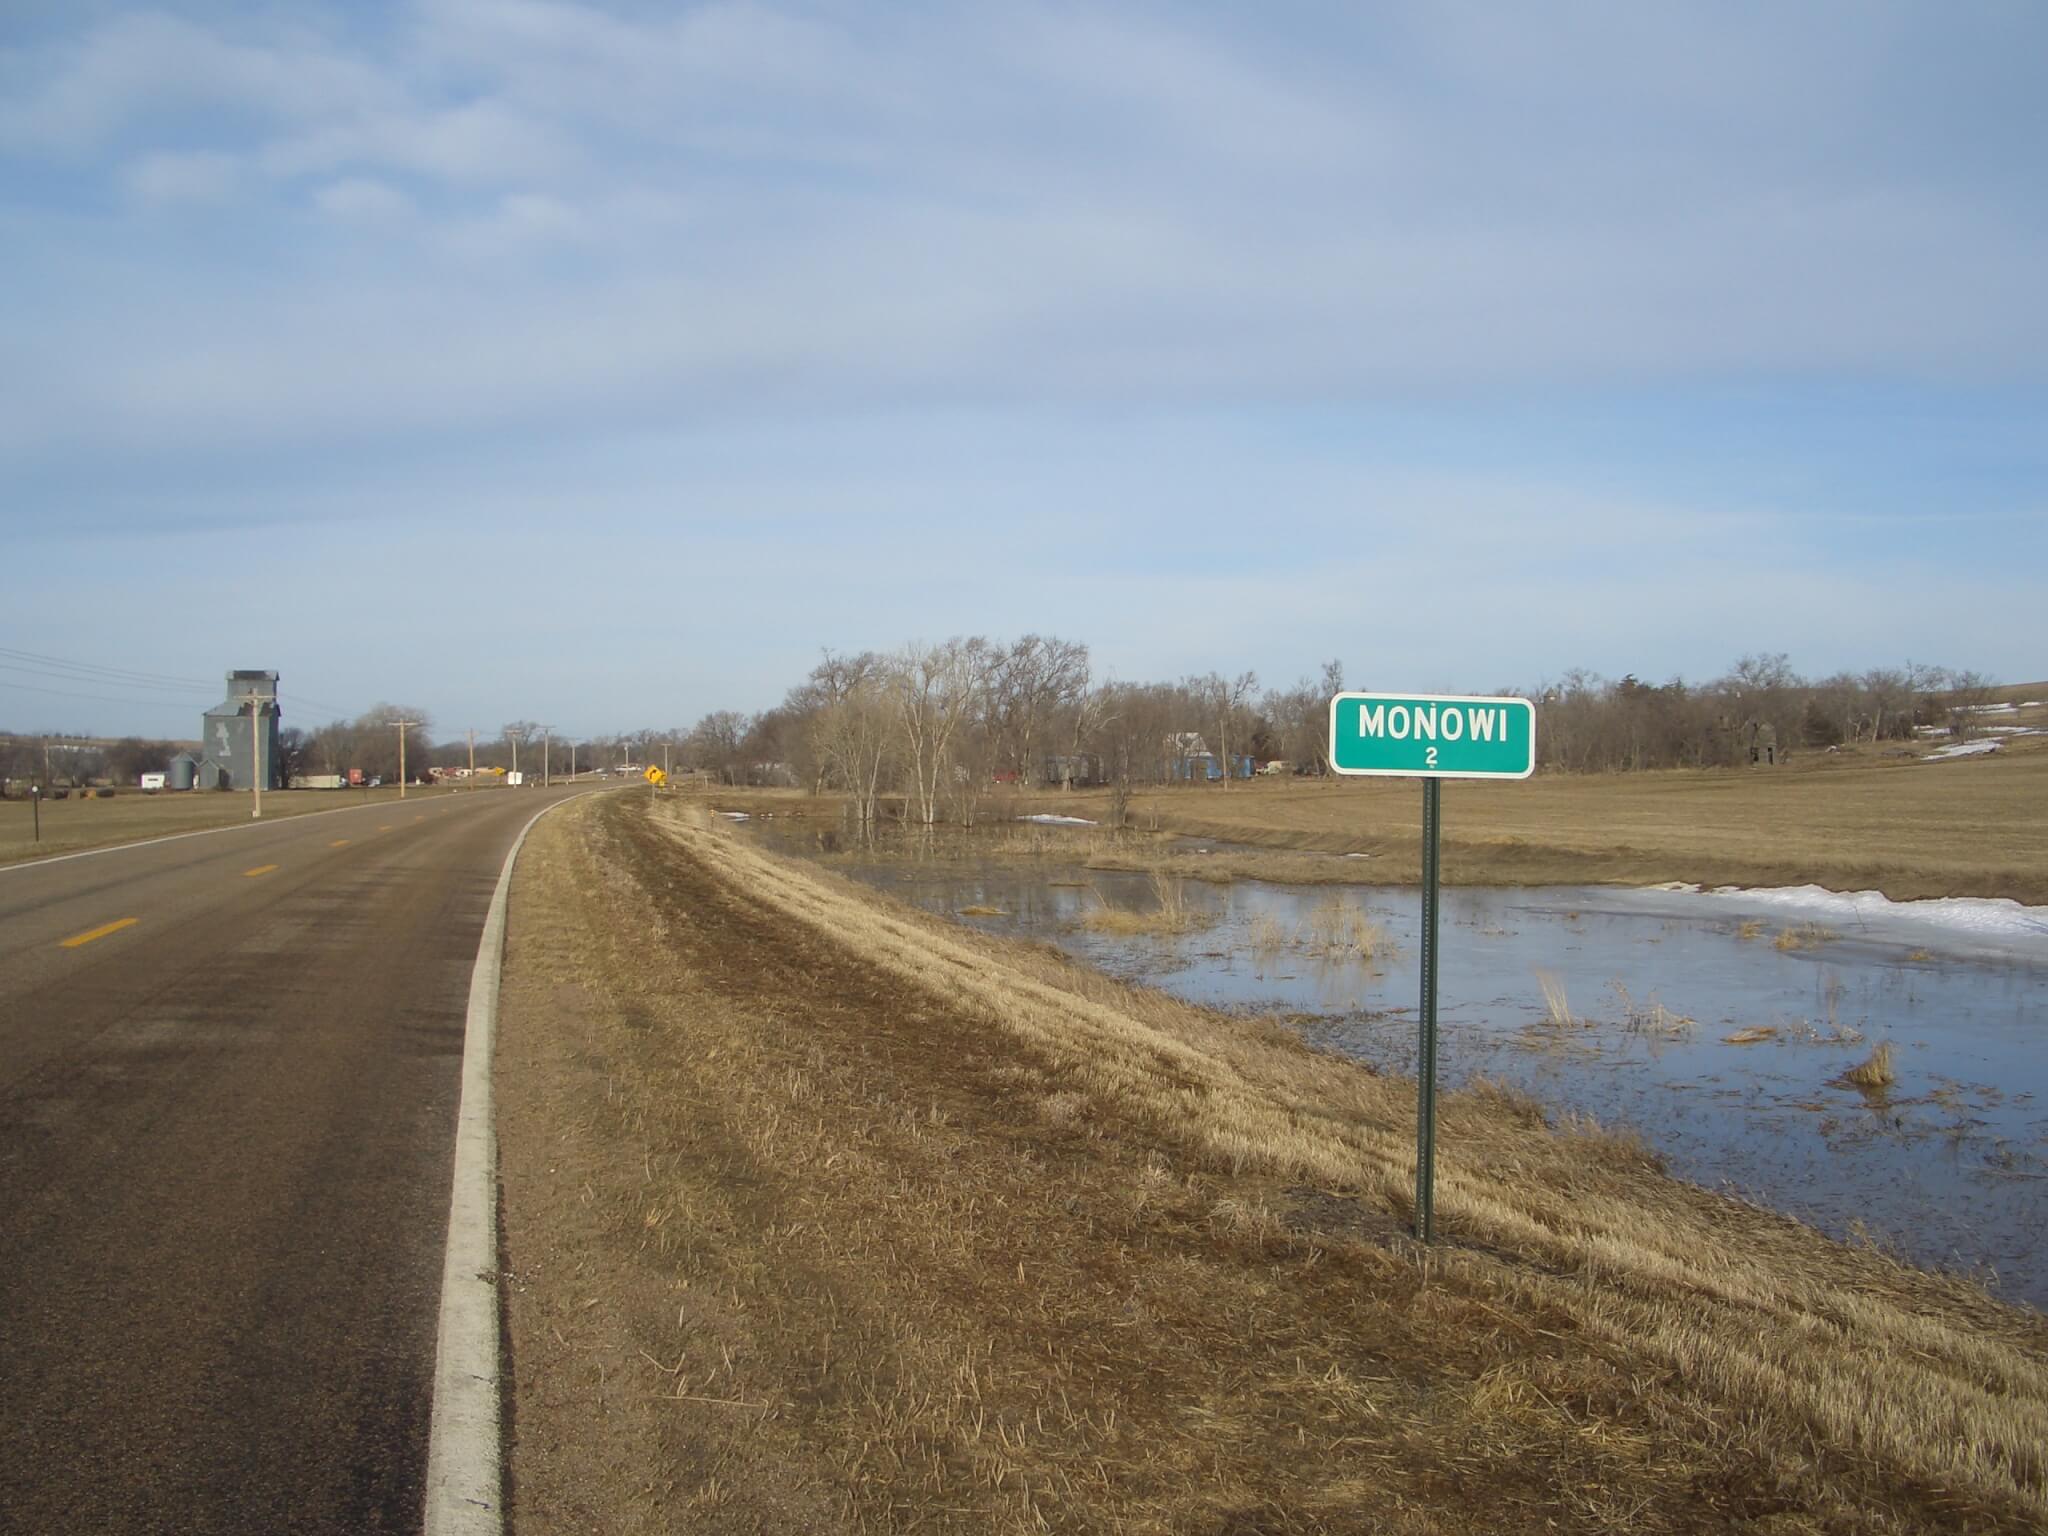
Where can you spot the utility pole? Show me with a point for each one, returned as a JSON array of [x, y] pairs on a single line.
[[544, 733], [664, 756], [255, 703], [403, 726], [472, 752], [513, 737]]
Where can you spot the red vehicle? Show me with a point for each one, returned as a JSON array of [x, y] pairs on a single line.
[[356, 778]]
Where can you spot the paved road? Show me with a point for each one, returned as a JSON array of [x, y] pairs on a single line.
[[228, 1079]]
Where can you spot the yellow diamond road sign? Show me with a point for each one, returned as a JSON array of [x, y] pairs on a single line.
[[655, 775]]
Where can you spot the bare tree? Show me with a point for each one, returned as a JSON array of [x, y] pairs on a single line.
[[1224, 704], [936, 688], [718, 743], [1318, 732], [1090, 713], [853, 733], [517, 734], [1968, 695], [1888, 701], [372, 738], [1028, 683]]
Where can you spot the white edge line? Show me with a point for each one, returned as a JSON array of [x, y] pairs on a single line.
[[465, 1471], [172, 837]]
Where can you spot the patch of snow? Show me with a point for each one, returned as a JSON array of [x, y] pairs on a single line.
[[1357, 855], [1988, 917], [1963, 749], [1986, 709], [1046, 820], [735, 815]]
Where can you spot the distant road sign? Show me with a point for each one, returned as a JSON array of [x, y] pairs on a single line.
[[655, 776], [1432, 736]]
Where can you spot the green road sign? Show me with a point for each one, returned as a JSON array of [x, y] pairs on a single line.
[[1432, 736]]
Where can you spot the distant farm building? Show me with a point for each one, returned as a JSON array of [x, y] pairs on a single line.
[[1760, 741], [1189, 761], [1079, 770], [231, 732]]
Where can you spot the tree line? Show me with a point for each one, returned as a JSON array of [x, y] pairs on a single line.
[[939, 724]]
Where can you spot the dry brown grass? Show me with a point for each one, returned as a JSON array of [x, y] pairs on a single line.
[[1874, 1071], [851, 1219], [1170, 912], [1803, 936], [1337, 927], [1859, 821], [1557, 1007], [1143, 851], [1268, 935], [1650, 1017]]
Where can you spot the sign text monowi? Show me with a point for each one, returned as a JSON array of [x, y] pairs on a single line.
[[1432, 736]]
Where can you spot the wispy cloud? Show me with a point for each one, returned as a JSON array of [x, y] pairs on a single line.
[[238, 238]]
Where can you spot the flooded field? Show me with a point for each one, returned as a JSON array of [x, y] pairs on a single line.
[[1718, 1027]]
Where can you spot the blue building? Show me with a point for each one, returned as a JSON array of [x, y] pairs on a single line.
[[231, 731]]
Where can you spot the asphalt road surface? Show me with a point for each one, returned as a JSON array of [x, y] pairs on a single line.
[[229, 1069]]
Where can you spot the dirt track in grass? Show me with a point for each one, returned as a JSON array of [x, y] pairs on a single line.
[[822, 1215]]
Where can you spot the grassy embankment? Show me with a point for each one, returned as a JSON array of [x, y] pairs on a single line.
[[1858, 821], [825, 1215], [80, 821]]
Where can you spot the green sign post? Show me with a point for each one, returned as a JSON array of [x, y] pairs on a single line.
[[1431, 737]]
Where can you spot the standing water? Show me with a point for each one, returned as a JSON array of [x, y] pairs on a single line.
[[1719, 1027]]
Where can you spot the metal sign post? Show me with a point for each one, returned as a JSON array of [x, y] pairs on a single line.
[[1425, 1071], [1432, 738]]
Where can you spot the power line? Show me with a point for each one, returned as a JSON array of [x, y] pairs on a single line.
[[49, 675], [320, 705], [92, 671], [100, 698], [61, 669]]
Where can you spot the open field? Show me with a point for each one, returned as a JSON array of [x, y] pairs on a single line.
[[1909, 828], [1973, 827], [823, 1215], [77, 823]]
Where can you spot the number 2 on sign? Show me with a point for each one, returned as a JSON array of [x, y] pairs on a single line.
[[1430, 761]]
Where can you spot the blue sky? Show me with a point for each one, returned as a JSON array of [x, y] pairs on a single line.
[[601, 363]]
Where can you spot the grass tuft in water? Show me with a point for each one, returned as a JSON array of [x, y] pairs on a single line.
[[1170, 912], [1874, 1071], [1557, 1008]]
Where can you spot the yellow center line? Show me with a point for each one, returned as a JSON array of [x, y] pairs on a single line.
[[260, 869], [100, 932], [339, 842]]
